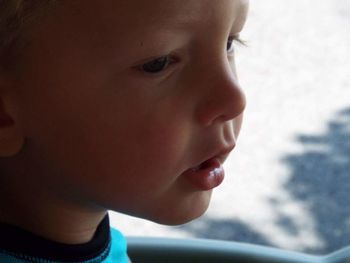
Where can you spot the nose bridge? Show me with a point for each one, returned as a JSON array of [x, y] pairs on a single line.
[[222, 96]]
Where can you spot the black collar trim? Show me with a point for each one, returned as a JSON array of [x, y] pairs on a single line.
[[20, 243]]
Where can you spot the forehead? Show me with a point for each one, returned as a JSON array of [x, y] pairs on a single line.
[[126, 30], [172, 14]]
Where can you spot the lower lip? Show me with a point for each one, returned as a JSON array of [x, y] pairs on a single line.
[[206, 178]]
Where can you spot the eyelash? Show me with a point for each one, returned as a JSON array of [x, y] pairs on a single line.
[[234, 39], [167, 60]]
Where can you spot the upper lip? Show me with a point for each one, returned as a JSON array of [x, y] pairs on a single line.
[[223, 153], [220, 155]]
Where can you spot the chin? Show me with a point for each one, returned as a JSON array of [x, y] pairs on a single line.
[[181, 213], [174, 220]]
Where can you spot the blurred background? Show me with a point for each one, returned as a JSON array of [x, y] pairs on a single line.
[[288, 181]]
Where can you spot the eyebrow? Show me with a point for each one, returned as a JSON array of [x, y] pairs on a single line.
[[190, 23]]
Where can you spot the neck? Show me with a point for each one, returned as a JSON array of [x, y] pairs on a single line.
[[53, 219]]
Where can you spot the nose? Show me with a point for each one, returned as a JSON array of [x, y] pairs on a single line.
[[222, 97]]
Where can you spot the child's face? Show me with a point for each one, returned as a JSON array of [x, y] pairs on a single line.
[[101, 132]]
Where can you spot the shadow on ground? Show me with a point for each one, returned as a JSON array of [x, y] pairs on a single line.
[[319, 178]]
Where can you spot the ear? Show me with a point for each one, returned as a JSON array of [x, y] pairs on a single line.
[[11, 138]]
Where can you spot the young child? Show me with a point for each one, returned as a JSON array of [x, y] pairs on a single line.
[[124, 105]]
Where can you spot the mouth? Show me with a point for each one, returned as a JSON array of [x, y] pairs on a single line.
[[206, 175], [214, 162], [209, 173]]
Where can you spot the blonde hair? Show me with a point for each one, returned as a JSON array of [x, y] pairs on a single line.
[[15, 17]]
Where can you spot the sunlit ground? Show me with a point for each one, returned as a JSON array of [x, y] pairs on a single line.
[[288, 181]]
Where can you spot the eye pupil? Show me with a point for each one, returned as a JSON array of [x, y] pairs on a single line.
[[156, 65], [229, 45]]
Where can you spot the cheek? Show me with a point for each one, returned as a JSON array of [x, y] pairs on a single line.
[[165, 140], [142, 159], [130, 147], [158, 146]]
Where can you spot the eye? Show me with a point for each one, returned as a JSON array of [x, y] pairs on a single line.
[[230, 47], [232, 40], [156, 65]]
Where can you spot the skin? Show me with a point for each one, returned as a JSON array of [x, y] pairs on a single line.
[[90, 131]]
